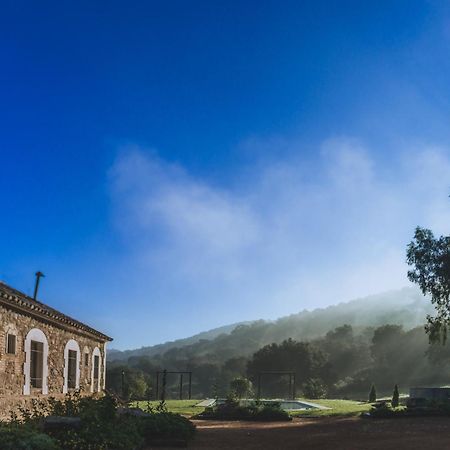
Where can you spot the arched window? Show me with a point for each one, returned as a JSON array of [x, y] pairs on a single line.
[[72, 357], [95, 370], [35, 367]]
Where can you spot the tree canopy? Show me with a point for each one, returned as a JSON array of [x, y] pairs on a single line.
[[430, 258]]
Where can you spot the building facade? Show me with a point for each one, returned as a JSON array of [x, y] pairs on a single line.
[[45, 353]]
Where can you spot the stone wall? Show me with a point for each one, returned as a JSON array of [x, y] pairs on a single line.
[[12, 366]]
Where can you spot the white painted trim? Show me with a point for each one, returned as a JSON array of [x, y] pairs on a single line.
[[104, 366], [96, 352], [38, 335], [71, 345]]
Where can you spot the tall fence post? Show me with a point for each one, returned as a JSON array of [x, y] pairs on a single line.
[[190, 384], [181, 386], [163, 390]]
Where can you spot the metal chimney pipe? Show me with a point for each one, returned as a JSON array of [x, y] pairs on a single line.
[[36, 287]]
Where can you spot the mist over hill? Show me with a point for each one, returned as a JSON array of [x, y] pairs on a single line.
[[406, 307]]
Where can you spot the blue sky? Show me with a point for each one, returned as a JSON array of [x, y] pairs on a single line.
[[176, 166]]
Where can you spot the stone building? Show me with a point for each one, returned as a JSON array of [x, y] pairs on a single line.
[[45, 353]]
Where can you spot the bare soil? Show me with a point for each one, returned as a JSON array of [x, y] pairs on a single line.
[[326, 434]]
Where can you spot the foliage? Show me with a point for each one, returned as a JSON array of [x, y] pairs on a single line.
[[430, 258], [258, 411], [185, 407], [336, 407], [304, 359], [314, 388], [101, 426], [346, 360], [341, 333], [382, 409], [129, 383], [17, 437], [395, 397], [242, 387], [372, 394], [166, 425]]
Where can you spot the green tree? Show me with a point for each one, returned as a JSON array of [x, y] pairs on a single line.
[[241, 386], [314, 388], [395, 397], [430, 258], [372, 394], [303, 358]]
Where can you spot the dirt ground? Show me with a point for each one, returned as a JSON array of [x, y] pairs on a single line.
[[326, 434]]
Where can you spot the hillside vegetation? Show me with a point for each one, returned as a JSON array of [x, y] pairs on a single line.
[[336, 352], [407, 307]]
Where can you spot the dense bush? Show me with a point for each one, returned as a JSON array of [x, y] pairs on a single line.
[[166, 425], [232, 410], [99, 425], [16, 437], [382, 409]]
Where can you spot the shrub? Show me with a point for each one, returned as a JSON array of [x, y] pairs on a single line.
[[99, 427], [166, 425], [314, 388], [242, 387], [232, 410], [372, 394], [382, 410], [395, 397], [17, 437]]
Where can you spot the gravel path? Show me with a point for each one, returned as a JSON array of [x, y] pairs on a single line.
[[326, 434]]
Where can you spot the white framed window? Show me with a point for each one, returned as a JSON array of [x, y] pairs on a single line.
[[35, 367], [95, 370], [72, 357]]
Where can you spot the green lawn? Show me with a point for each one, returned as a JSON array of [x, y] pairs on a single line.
[[184, 407], [339, 407]]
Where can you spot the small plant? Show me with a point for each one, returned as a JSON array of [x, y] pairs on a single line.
[[395, 397], [242, 387], [161, 407], [382, 409], [372, 394]]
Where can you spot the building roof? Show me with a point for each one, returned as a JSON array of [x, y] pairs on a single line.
[[14, 299]]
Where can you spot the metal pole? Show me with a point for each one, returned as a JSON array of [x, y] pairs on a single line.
[[36, 286], [259, 386], [190, 384], [157, 385], [181, 386], [123, 382], [294, 394], [164, 381]]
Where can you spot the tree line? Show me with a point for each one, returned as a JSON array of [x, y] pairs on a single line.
[[344, 362]]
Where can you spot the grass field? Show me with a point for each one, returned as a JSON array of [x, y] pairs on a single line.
[[184, 407], [338, 407]]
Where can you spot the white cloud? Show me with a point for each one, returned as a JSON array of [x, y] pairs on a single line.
[[289, 234]]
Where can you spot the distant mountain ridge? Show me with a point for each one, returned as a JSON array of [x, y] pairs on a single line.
[[153, 350], [407, 307]]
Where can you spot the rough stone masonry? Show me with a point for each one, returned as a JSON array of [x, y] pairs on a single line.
[[45, 353]]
